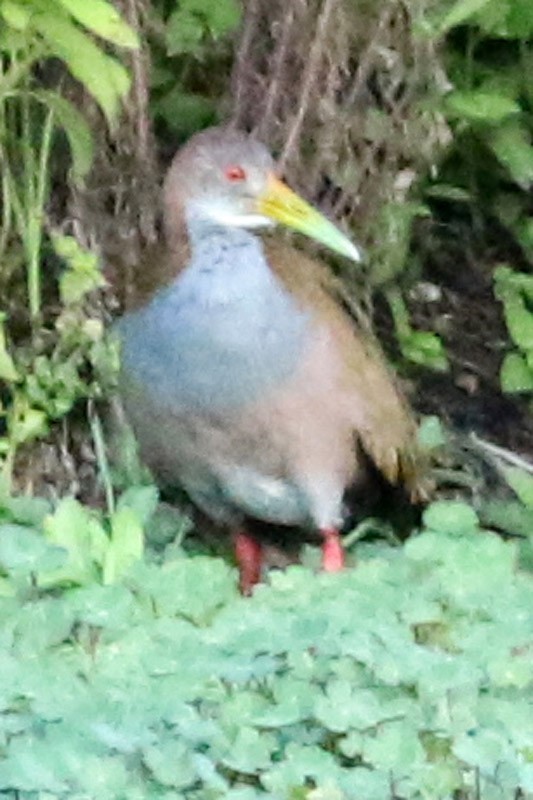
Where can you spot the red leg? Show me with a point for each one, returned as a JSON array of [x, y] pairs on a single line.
[[249, 554], [332, 550]]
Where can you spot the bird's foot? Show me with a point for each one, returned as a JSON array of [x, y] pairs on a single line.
[[249, 555], [332, 550]]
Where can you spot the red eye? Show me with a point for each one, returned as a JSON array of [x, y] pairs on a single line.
[[235, 173]]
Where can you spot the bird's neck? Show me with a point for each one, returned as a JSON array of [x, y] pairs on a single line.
[[227, 265]]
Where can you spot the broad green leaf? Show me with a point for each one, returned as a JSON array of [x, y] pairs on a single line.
[[29, 766], [459, 13], [480, 106], [27, 424], [521, 482], [515, 375], [44, 624], [484, 749], [426, 348], [193, 587], [183, 33], [102, 75], [24, 550], [454, 194], [15, 14], [451, 516], [219, 17], [396, 747], [509, 282], [126, 545], [519, 320], [170, 763], [103, 19], [510, 20], [431, 433], [185, 112], [250, 752], [142, 500], [105, 606], [512, 145], [27, 510], [73, 527], [76, 130]]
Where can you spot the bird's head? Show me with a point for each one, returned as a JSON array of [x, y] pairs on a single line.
[[228, 178]]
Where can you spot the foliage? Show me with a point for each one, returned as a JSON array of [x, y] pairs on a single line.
[[71, 361], [490, 108], [33, 32], [420, 347], [515, 291], [189, 47], [122, 676]]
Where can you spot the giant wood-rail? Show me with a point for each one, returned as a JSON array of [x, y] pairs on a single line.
[[246, 381]]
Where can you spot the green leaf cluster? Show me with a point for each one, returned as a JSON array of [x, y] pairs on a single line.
[[192, 46], [515, 292], [490, 109], [37, 29], [408, 676], [32, 34], [74, 361]]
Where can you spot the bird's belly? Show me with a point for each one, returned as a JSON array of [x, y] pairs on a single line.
[[227, 463], [285, 458]]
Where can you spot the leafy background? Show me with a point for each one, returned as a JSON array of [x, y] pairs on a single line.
[[129, 665]]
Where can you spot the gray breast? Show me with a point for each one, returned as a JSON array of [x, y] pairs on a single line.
[[222, 335]]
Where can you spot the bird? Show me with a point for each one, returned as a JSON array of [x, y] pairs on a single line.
[[246, 380]]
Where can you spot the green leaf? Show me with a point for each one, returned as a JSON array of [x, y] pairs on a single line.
[[424, 347], [219, 18], [519, 320], [104, 20], [454, 194], [126, 546], [142, 500], [183, 33], [185, 112], [170, 763], [27, 424], [484, 749], [73, 527], [481, 106], [511, 144], [8, 371], [250, 752], [451, 516], [76, 129], [192, 587], [103, 77], [431, 433], [27, 510], [521, 482], [15, 14], [395, 747], [29, 766], [83, 273], [459, 13], [515, 375], [24, 550]]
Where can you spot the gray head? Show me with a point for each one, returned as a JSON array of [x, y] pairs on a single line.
[[219, 176], [227, 178]]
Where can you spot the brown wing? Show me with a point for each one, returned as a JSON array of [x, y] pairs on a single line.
[[388, 431]]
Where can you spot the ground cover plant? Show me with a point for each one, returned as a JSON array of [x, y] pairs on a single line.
[[125, 676]]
